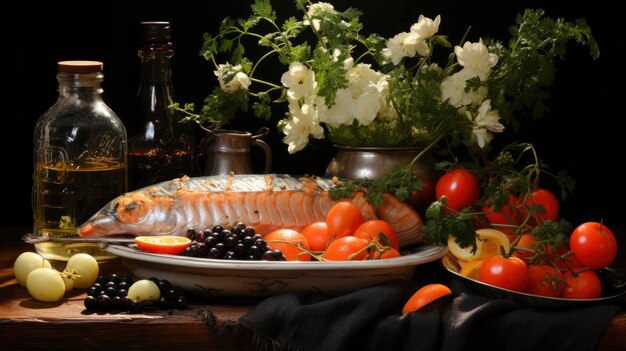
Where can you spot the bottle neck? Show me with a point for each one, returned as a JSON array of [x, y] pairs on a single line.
[[156, 68], [83, 86]]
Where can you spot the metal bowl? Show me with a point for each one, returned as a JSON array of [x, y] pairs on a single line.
[[613, 288]]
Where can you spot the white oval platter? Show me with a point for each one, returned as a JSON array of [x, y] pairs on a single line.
[[256, 279]]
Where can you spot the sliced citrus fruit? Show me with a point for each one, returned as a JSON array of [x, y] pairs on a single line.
[[488, 244], [166, 244], [492, 240], [463, 253], [472, 269], [424, 296]]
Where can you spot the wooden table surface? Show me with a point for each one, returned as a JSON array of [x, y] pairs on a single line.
[[31, 325]]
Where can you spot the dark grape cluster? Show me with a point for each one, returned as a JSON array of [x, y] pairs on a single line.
[[110, 293], [240, 242]]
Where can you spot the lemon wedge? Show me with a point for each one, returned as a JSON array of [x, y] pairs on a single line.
[[472, 269], [488, 244]]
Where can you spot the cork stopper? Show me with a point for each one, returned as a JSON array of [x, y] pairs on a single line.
[[80, 66], [154, 32]]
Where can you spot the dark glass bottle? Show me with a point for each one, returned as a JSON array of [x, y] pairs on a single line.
[[160, 148]]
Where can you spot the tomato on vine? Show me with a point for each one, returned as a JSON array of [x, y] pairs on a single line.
[[317, 234], [582, 285], [506, 215], [460, 187], [388, 253], [373, 228], [507, 273], [542, 205], [291, 243], [545, 280], [347, 248], [593, 244], [343, 219]]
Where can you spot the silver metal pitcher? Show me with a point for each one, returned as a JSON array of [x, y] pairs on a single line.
[[229, 151]]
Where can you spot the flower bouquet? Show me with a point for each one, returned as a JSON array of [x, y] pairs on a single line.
[[365, 90]]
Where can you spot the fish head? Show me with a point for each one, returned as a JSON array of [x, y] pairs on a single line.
[[134, 213]]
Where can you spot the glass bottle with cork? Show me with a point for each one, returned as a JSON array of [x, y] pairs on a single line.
[[80, 160], [160, 148]]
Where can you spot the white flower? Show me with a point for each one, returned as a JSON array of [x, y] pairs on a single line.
[[412, 43], [302, 124], [426, 27], [420, 31], [363, 77], [366, 107], [360, 101], [337, 114], [476, 57], [395, 50], [317, 10], [486, 122], [238, 80], [386, 111], [299, 80], [453, 90]]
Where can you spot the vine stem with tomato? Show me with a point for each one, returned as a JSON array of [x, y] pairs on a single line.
[[374, 247]]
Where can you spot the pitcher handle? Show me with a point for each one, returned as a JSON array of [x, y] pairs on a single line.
[[268, 154], [261, 133], [263, 145], [200, 157]]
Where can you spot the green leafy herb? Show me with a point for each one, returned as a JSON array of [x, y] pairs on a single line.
[[440, 224]]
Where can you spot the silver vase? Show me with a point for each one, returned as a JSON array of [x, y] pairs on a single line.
[[375, 162]]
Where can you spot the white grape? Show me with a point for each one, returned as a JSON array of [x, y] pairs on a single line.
[[45, 284], [25, 263], [144, 290], [68, 280], [86, 267]]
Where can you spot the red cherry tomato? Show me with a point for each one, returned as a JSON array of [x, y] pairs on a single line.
[[346, 248], [506, 215], [343, 218], [542, 205], [593, 245], [373, 228], [460, 187], [584, 285], [508, 273], [545, 280]]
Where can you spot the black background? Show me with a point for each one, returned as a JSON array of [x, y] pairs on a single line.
[[581, 134]]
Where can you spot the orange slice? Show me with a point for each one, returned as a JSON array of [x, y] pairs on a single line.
[[167, 244]]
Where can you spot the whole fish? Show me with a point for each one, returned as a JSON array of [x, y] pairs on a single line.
[[265, 202]]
